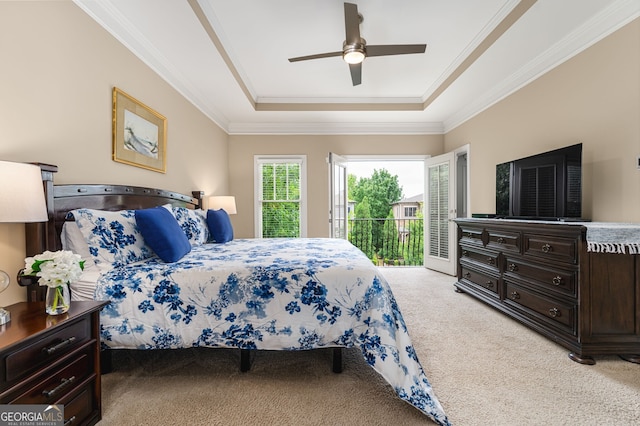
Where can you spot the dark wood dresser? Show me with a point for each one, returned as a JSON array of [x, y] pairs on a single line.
[[53, 359], [542, 275]]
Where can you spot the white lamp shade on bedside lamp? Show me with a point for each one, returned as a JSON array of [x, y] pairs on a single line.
[[21, 201], [21, 193], [225, 202]]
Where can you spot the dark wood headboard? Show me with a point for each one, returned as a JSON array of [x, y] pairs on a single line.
[[61, 199]]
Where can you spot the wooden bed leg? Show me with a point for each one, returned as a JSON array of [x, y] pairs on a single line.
[[245, 360], [337, 360]]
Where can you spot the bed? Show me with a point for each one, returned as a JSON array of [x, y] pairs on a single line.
[[250, 294]]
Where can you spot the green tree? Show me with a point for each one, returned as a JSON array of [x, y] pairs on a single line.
[[281, 200], [390, 239], [414, 241], [382, 190], [360, 233]]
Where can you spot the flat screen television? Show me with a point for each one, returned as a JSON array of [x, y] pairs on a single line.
[[546, 186]]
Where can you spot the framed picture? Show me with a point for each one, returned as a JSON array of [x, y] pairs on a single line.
[[139, 133]]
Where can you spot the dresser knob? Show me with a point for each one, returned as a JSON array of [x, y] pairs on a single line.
[[557, 280], [465, 253], [469, 235], [554, 312], [467, 275], [547, 248], [489, 284], [501, 240], [491, 261], [513, 267], [515, 295]]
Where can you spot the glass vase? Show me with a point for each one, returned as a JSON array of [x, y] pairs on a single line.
[[58, 299]]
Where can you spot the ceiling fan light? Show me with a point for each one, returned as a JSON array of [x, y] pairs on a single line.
[[353, 56]]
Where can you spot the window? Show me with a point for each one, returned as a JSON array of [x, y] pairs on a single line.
[[410, 211], [280, 183]]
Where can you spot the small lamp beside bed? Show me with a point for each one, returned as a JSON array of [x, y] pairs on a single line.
[[22, 200], [224, 202]]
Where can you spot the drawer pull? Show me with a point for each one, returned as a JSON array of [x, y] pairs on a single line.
[[467, 275], [70, 420], [515, 295], [489, 284], [557, 280], [64, 383], [491, 261], [468, 235], [513, 267], [52, 349], [554, 312], [547, 248], [465, 253], [501, 240]]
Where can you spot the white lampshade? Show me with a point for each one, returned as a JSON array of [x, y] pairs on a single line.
[[225, 202], [21, 193]]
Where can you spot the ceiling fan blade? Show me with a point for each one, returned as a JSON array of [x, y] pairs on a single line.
[[356, 73], [317, 56], [351, 23], [395, 49]]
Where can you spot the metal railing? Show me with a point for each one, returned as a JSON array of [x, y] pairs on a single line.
[[389, 242]]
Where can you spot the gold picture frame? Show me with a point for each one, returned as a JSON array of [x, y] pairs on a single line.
[[139, 133]]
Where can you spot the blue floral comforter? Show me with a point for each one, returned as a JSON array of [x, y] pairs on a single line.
[[278, 294]]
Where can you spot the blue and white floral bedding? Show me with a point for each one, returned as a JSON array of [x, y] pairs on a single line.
[[279, 294]]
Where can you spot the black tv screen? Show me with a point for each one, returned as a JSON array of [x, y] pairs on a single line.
[[546, 186]]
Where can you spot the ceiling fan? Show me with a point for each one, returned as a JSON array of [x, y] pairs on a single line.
[[355, 49]]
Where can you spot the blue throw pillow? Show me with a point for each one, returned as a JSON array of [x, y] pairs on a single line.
[[219, 226], [162, 233]]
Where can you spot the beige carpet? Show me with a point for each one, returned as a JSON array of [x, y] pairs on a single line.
[[485, 368]]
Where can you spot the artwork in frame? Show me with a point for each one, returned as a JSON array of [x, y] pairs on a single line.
[[139, 133]]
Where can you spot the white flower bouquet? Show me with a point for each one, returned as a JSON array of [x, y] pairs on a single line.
[[55, 270]]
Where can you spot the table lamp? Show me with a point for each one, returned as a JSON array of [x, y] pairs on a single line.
[[21, 201], [225, 202]]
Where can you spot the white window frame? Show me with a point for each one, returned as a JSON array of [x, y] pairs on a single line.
[[258, 160]]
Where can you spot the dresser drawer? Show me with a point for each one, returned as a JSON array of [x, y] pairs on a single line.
[[52, 385], [485, 282], [558, 314], [46, 350], [471, 234], [504, 240], [482, 258], [551, 248], [542, 276]]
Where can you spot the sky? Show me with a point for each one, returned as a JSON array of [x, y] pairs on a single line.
[[410, 173]]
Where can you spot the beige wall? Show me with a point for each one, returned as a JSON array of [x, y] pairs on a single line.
[[594, 98], [243, 148], [58, 70]]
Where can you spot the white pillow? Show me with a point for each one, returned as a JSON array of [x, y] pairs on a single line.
[[113, 237], [73, 240], [193, 223]]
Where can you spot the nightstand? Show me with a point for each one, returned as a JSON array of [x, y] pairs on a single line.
[[53, 359]]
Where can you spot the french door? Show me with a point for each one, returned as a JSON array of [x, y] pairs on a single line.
[[440, 239], [338, 213]]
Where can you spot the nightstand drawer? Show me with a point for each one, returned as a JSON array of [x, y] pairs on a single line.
[[50, 386], [27, 359]]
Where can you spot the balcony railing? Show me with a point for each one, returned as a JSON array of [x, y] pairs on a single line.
[[389, 242]]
